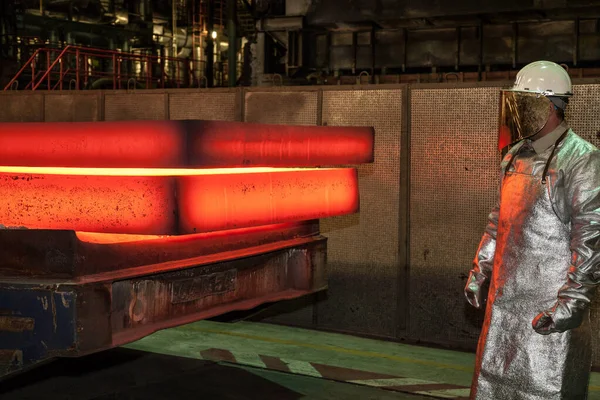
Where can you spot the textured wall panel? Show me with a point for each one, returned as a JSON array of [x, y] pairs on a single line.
[[133, 106], [583, 112], [454, 180], [71, 108], [205, 106], [297, 312], [292, 108], [583, 115], [363, 248], [21, 107]]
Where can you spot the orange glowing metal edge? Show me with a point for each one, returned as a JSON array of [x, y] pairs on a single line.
[[115, 238], [132, 172]]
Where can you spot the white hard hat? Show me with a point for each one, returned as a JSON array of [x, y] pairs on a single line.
[[545, 78]]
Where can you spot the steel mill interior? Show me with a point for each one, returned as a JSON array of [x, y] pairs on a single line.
[[264, 199]]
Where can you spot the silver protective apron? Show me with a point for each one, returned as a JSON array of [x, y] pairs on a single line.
[[531, 260]]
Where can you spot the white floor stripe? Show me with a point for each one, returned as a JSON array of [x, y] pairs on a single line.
[[448, 393], [391, 382], [301, 368], [250, 359], [306, 368]]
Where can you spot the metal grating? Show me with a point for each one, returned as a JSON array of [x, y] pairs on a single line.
[[454, 180], [205, 106], [134, 106], [291, 108], [583, 112], [21, 108], [70, 108], [363, 248]]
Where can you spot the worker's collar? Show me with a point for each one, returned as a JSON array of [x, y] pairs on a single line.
[[545, 142]]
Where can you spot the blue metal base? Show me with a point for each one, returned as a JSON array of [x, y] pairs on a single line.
[[43, 320]]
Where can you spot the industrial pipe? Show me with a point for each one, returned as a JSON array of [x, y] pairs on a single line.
[[165, 36], [232, 35], [210, 45]]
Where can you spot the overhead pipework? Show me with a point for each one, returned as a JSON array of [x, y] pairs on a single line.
[[202, 34], [327, 42]]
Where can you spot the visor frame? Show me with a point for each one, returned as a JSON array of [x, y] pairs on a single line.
[[518, 122]]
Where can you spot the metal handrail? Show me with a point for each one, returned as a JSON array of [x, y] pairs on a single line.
[[51, 67], [203, 79], [60, 80], [33, 78], [182, 69], [31, 59], [130, 80]]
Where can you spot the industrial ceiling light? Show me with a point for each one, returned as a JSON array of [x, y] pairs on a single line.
[[214, 34]]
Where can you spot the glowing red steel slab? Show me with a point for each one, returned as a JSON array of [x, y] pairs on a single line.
[[213, 202], [180, 144], [210, 200], [223, 144], [150, 144], [144, 205]]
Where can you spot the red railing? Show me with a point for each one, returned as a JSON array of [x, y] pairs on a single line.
[[83, 67]]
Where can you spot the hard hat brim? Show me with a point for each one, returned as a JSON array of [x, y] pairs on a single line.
[[546, 93]]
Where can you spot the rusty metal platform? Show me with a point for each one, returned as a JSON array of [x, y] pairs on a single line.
[[90, 257], [67, 294]]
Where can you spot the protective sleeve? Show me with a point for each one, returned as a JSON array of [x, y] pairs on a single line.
[[582, 188], [484, 258]]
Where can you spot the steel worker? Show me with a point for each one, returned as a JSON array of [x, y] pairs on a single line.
[[540, 251]]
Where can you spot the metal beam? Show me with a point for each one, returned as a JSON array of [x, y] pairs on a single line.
[[210, 45]]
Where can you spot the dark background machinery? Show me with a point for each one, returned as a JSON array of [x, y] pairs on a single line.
[[305, 41], [205, 34], [434, 41]]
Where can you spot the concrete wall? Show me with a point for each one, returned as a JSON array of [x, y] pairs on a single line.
[[396, 269], [114, 106]]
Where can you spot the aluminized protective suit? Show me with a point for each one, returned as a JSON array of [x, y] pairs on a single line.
[[541, 255]]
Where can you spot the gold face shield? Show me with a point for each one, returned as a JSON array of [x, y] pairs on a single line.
[[522, 115]]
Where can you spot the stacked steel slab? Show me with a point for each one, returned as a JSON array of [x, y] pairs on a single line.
[[113, 230], [171, 178]]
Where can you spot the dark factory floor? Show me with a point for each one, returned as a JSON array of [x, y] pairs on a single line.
[[124, 374], [210, 360]]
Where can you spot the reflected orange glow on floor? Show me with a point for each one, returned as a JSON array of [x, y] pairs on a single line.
[[113, 238]]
